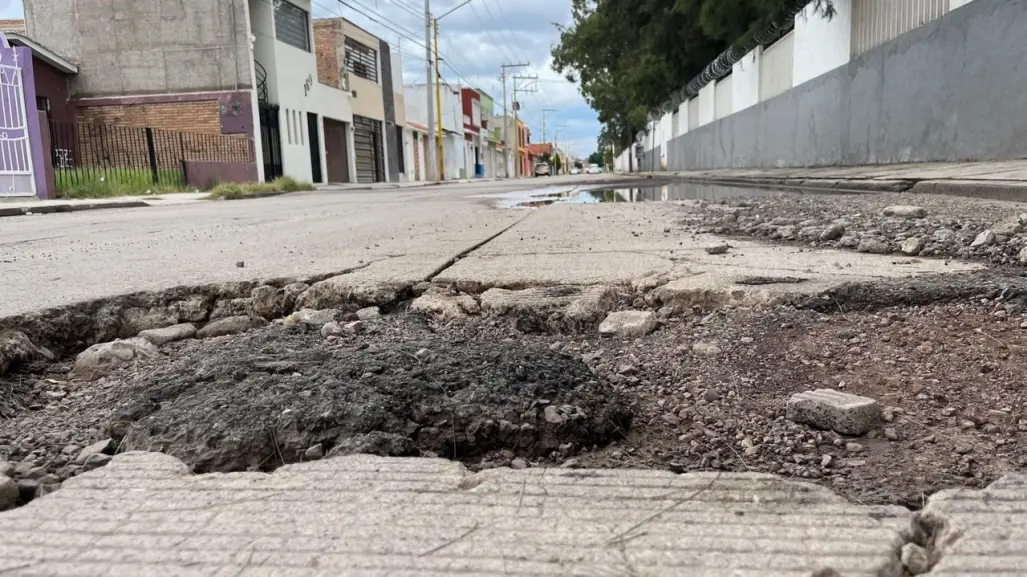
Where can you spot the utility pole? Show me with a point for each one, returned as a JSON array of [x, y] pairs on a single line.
[[544, 112], [516, 105], [506, 120], [429, 164], [438, 103]]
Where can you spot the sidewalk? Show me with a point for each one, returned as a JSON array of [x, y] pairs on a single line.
[[996, 180], [144, 514], [29, 205]]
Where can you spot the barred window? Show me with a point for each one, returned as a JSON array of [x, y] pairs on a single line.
[[292, 25], [361, 61]]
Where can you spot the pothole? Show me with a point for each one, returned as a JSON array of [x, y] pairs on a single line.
[[284, 394]]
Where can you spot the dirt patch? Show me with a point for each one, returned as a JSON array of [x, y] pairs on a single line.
[[265, 398]]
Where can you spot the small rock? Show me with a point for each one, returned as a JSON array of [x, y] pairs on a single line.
[[963, 448], [943, 235], [746, 340], [36, 473], [27, 489], [96, 461], [912, 246], [711, 395], [833, 232], [332, 329], [552, 415], [825, 461], [629, 323], [1022, 255], [94, 449], [101, 359], [15, 349], [314, 453], [985, 238], [269, 302], [24, 467], [7, 468], [312, 318], [230, 326], [891, 434], [706, 349], [569, 464], [840, 412], [366, 314], [240, 264], [8, 493], [170, 334], [354, 327], [915, 559], [853, 447], [518, 464], [717, 248], [872, 245], [905, 211]]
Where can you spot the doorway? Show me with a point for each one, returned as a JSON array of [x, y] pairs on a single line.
[[336, 150], [314, 140]]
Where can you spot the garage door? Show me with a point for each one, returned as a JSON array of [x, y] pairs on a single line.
[[368, 149]]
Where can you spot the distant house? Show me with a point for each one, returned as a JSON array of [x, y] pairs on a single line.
[[52, 72]]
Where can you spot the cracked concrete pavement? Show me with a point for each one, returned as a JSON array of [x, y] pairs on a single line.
[[144, 514]]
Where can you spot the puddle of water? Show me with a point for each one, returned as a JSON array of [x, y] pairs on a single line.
[[540, 197]]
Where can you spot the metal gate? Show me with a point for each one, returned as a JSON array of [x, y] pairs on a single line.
[[16, 176], [368, 150], [271, 141]]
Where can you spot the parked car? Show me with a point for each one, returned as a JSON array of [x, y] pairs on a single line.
[[542, 169], [595, 169], [575, 170]]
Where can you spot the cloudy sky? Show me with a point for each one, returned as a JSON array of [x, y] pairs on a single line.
[[475, 40]]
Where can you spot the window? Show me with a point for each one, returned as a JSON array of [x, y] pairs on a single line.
[[292, 25], [402, 149], [361, 61], [43, 105]]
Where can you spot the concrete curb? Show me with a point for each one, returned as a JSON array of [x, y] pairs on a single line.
[[1008, 190], [53, 208]]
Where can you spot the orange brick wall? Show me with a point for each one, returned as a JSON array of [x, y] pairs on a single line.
[[326, 40], [201, 116], [12, 26]]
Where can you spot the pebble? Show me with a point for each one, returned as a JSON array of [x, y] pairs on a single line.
[[905, 211], [985, 238], [711, 395], [96, 461], [717, 248], [825, 461], [833, 232], [314, 453], [518, 464], [963, 448], [853, 447], [706, 349], [915, 559], [891, 434], [569, 464]]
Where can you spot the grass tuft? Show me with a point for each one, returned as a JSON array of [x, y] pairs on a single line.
[[234, 191]]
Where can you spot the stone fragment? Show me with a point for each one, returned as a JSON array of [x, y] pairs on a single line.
[[443, 305], [628, 324], [135, 320], [313, 318], [239, 307], [705, 349], [717, 248], [230, 326], [905, 211], [170, 334], [985, 238], [193, 309], [94, 449], [872, 245], [518, 464], [96, 461], [912, 246], [833, 232], [314, 453], [270, 302], [15, 349], [368, 313], [332, 329], [840, 412], [100, 359]]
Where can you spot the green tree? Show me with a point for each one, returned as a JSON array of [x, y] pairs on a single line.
[[557, 164], [596, 158]]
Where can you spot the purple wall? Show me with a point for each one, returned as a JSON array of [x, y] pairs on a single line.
[[22, 58]]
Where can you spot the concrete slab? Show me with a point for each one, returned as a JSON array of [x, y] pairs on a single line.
[[145, 515], [643, 244]]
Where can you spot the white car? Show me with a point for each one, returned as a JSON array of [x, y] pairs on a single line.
[[575, 170], [594, 169]]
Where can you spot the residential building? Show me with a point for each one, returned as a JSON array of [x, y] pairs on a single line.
[[474, 153], [525, 160], [52, 73], [491, 138], [233, 67], [502, 125], [358, 62], [454, 146], [415, 148]]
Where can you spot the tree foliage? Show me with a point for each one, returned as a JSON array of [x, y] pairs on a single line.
[[596, 158], [629, 56]]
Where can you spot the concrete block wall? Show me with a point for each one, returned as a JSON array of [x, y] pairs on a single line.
[[949, 90], [146, 46]]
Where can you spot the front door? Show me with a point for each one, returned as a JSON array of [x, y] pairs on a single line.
[[314, 140], [336, 147]]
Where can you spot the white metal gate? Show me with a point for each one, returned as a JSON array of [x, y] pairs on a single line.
[[16, 176]]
